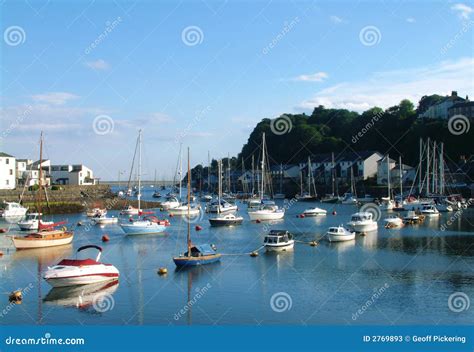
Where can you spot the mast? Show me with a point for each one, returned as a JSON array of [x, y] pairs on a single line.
[[428, 167], [139, 196], [309, 176], [388, 176], [219, 187], [189, 205], [441, 169], [154, 182], [332, 173], [263, 168], [301, 183], [180, 170], [281, 178], [434, 180], [208, 172], [420, 166], [401, 179], [40, 183]]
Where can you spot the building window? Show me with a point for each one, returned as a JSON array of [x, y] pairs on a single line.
[[11, 171], [7, 161], [7, 182]]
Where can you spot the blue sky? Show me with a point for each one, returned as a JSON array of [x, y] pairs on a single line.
[[205, 72]]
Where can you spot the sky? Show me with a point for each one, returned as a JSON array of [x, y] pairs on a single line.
[[90, 74]]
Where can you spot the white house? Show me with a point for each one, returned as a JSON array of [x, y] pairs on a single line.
[[72, 175], [441, 109], [408, 172], [7, 171]]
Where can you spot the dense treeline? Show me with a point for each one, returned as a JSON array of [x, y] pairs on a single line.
[[395, 130]]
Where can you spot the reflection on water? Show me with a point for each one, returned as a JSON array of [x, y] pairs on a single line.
[[327, 283]]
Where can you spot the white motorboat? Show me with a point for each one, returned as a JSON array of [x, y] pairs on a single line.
[[12, 209], [171, 202], [96, 212], [226, 220], [412, 218], [339, 234], [315, 212], [430, 210], [224, 207], [194, 209], [32, 222], [362, 222], [266, 212], [254, 203], [104, 220], [386, 203], [278, 240], [72, 272], [393, 221], [130, 210]]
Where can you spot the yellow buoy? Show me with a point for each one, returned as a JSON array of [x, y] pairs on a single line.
[[162, 271], [15, 296], [254, 254], [313, 243]]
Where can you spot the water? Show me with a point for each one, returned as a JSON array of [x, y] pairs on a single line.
[[399, 276]]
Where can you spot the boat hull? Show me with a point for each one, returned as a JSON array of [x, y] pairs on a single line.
[[280, 247], [131, 229], [105, 221], [219, 222], [196, 261], [264, 216], [21, 243], [81, 280], [332, 237], [362, 227]]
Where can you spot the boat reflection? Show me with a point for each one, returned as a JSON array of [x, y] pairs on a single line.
[[369, 239], [84, 298]]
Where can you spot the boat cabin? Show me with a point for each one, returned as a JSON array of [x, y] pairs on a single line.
[[278, 236], [362, 217], [336, 230], [201, 250]]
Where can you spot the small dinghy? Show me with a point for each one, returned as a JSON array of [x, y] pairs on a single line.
[[340, 234], [278, 240], [72, 272], [393, 221]]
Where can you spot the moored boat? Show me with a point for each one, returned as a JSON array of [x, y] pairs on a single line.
[[12, 209], [393, 221], [315, 211], [362, 222], [32, 222], [278, 240], [339, 234], [72, 272]]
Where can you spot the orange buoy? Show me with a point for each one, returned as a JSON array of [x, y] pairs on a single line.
[[301, 216], [171, 215], [1, 254], [3, 230], [334, 212], [105, 238], [198, 228]]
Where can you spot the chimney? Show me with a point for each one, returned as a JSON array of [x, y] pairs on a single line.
[[467, 97], [454, 93]]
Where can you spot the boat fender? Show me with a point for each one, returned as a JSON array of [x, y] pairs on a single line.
[[198, 228], [105, 238]]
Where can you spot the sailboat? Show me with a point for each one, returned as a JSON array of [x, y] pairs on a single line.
[[156, 193], [333, 197], [47, 236], [172, 201], [184, 208], [350, 197], [280, 195], [196, 254], [142, 225], [307, 196], [387, 202], [266, 211], [223, 219]]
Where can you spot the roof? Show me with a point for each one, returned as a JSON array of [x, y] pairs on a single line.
[[345, 156], [5, 155], [205, 249], [462, 104]]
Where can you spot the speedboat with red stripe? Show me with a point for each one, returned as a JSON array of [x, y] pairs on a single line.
[[72, 272]]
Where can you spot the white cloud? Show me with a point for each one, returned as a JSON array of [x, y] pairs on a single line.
[[410, 20], [335, 19], [315, 77], [54, 98], [98, 64], [464, 11], [388, 88]]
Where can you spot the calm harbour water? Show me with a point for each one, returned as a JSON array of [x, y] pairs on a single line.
[[406, 274]]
